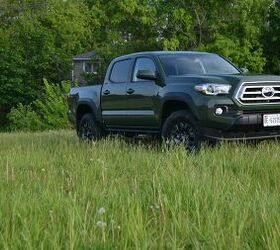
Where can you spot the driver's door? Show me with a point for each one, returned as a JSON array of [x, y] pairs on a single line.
[[142, 97]]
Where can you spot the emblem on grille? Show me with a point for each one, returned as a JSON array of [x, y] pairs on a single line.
[[268, 92]]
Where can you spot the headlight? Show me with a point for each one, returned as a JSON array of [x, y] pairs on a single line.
[[213, 88]]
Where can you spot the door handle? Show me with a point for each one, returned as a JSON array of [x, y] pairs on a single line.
[[130, 91], [106, 92]]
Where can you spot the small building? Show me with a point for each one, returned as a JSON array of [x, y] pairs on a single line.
[[83, 66]]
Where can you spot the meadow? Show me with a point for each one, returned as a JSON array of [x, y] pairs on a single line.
[[59, 193]]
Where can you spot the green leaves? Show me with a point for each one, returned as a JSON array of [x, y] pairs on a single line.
[[243, 52], [48, 112], [39, 38], [271, 39], [38, 41]]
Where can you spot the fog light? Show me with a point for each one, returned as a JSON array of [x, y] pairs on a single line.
[[219, 111]]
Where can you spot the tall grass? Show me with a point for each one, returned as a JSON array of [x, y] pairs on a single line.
[[58, 193]]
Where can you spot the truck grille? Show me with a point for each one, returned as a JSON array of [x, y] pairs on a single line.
[[259, 93]]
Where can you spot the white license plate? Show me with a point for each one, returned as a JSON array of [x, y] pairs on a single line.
[[271, 120]]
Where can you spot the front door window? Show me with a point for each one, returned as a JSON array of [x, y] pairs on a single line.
[[143, 64]]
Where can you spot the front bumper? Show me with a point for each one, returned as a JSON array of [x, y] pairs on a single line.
[[244, 127], [221, 135], [238, 123]]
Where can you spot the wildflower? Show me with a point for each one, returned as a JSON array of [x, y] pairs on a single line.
[[102, 210], [157, 206], [101, 224]]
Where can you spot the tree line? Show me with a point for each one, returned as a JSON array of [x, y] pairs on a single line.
[[39, 38]]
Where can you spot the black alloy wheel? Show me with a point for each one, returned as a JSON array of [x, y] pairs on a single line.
[[88, 129], [180, 128]]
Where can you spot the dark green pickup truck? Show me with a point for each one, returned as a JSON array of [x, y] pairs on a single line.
[[183, 97]]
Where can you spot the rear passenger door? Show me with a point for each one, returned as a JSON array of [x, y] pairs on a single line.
[[142, 96], [113, 96]]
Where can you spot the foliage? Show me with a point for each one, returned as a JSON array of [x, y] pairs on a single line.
[[241, 52], [12, 73], [63, 194], [39, 38], [271, 39], [38, 43], [48, 112]]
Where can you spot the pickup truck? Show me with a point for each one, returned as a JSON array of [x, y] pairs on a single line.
[[183, 97]]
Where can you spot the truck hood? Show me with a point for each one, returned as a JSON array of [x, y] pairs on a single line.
[[233, 80]]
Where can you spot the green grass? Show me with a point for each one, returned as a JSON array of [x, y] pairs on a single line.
[[52, 188]]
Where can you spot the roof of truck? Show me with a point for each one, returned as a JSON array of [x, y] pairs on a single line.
[[160, 53]]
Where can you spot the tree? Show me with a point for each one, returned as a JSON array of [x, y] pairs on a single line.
[[271, 39], [38, 38], [231, 28], [39, 43], [239, 33]]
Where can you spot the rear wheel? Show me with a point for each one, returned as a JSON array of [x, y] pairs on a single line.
[[181, 128], [88, 129]]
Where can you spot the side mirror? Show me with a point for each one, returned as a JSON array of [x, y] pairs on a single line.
[[244, 70], [146, 75]]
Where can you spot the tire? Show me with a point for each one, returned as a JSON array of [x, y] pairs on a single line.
[[181, 128], [88, 129]]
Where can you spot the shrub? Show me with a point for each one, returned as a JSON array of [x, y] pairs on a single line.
[[48, 112]]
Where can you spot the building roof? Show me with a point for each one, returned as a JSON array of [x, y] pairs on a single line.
[[85, 56]]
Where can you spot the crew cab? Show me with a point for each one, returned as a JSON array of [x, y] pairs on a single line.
[[182, 97]]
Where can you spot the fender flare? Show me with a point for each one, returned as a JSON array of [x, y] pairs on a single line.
[[182, 97], [92, 105]]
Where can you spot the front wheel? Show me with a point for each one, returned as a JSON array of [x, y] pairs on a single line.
[[181, 128], [88, 129]]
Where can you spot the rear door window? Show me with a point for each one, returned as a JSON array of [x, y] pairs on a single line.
[[120, 71]]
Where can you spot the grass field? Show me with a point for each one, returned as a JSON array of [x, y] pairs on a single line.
[[57, 193]]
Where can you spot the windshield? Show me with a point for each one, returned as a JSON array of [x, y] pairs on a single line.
[[184, 64]]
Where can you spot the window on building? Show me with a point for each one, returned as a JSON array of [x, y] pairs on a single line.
[[88, 67]]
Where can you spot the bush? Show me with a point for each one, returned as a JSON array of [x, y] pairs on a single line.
[[48, 112]]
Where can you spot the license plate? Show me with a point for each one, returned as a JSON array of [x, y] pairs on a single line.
[[271, 120]]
